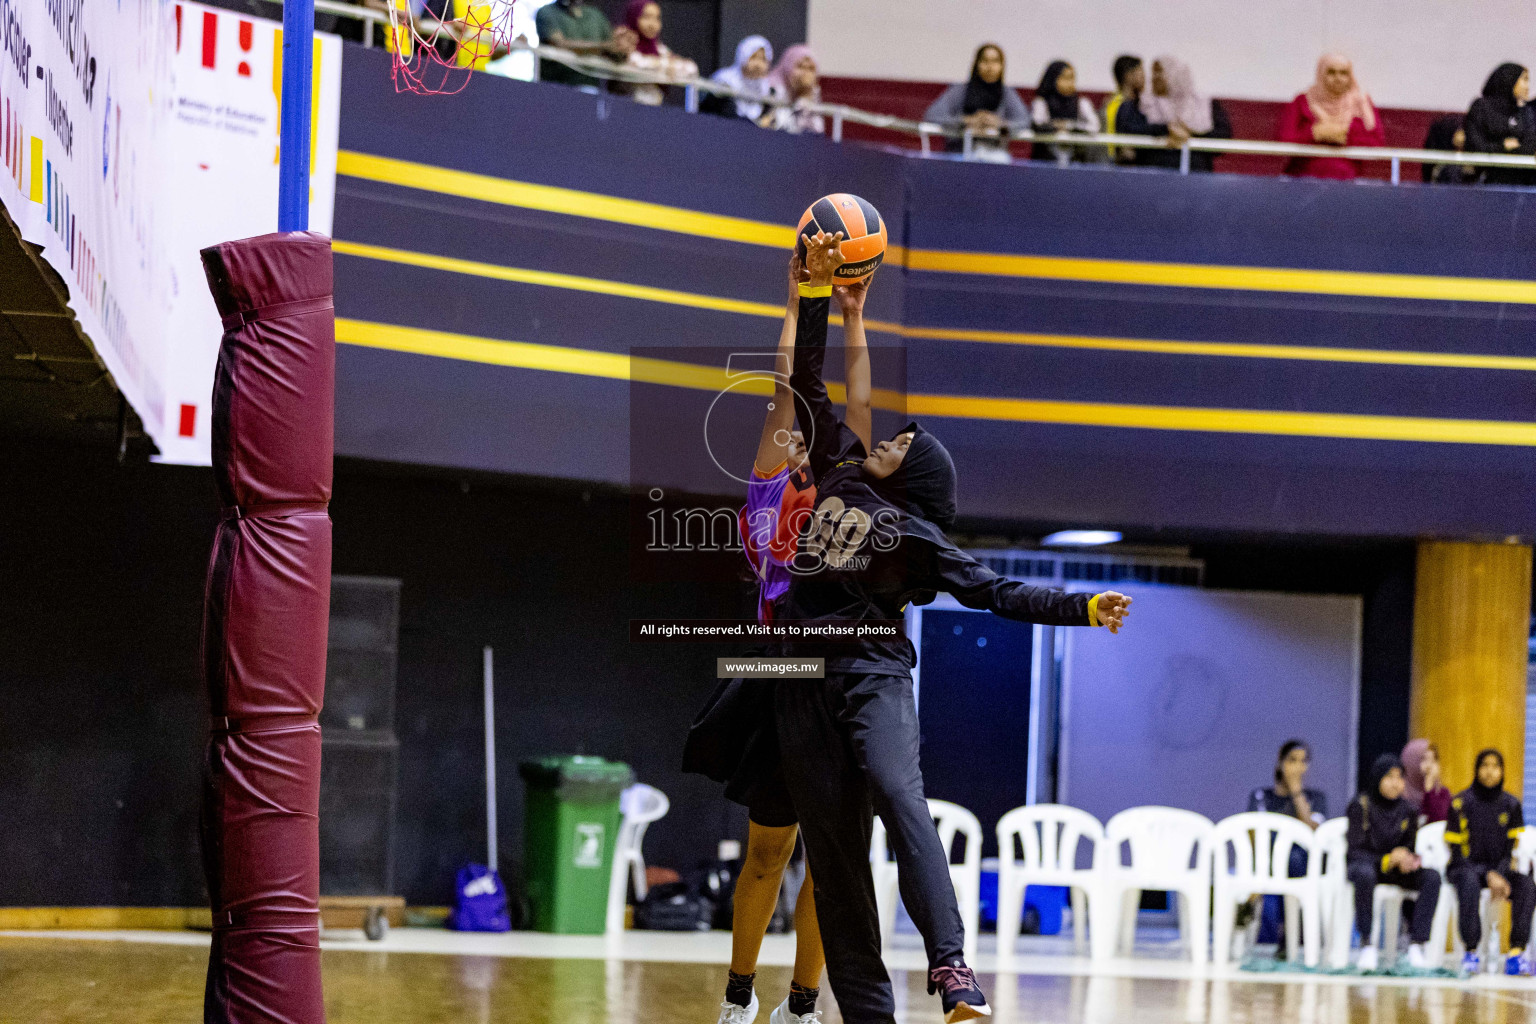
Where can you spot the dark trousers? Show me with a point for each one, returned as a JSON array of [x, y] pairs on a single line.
[[1469, 880], [1365, 874], [849, 745]]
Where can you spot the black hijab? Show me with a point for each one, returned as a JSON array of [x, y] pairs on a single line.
[[1499, 90], [981, 95], [1061, 107], [1487, 792], [924, 483], [1383, 764]]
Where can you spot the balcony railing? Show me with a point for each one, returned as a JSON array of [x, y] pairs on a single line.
[[838, 115]]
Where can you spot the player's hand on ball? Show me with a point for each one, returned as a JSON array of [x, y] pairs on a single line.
[[1112, 610], [823, 255], [850, 297]]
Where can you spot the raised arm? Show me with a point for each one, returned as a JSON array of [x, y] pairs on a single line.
[[824, 431], [858, 416], [775, 444], [976, 586]]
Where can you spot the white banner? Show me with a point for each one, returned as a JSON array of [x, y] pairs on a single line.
[[137, 132], [83, 104], [220, 170]]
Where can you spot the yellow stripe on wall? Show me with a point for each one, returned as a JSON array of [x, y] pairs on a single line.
[[1353, 426], [81, 918], [1258, 279], [597, 206], [549, 279], [528, 355]]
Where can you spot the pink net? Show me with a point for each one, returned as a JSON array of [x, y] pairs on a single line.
[[437, 47]]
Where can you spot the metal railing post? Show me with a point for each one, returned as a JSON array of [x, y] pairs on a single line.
[[837, 125], [1397, 169], [923, 140], [966, 142], [691, 99], [1184, 158]]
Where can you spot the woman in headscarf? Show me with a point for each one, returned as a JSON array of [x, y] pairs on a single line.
[[1334, 111], [1481, 833], [1501, 121], [1449, 135], [643, 18], [1422, 785], [982, 104], [1291, 797], [1383, 829], [795, 78], [749, 75], [1173, 101], [1058, 107]]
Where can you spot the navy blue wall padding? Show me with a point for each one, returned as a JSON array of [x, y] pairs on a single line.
[[415, 408]]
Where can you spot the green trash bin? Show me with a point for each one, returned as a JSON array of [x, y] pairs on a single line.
[[570, 824]]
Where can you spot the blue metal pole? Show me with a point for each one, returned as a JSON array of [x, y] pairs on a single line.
[[293, 141]]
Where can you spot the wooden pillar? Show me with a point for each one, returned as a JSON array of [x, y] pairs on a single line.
[[1471, 624]]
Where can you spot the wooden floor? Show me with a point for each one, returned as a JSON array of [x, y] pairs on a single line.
[[65, 981]]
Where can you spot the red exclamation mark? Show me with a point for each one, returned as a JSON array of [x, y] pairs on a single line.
[[245, 47], [210, 37]]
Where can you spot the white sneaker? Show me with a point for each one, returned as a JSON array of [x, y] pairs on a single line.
[[1367, 961], [781, 1015], [1417, 958], [730, 1013]]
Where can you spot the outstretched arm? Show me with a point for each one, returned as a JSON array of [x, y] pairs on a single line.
[[850, 298], [824, 431], [773, 448], [976, 586]]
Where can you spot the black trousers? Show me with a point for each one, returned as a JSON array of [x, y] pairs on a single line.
[[1365, 874], [849, 745], [1469, 880]]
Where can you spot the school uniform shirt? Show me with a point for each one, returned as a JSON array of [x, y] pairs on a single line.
[[1482, 829], [578, 22], [862, 558], [1266, 799], [1377, 827]]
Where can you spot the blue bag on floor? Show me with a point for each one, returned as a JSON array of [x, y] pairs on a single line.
[[479, 901]]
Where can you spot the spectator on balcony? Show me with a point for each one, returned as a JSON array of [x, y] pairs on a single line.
[[1122, 111], [983, 105], [1449, 134], [1058, 107], [1335, 111], [749, 75], [1501, 121], [1184, 113], [795, 78], [584, 30], [643, 18]]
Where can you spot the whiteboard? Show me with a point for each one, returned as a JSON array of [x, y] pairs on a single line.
[[1188, 706]]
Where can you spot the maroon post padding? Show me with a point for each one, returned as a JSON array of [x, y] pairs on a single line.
[[265, 613]]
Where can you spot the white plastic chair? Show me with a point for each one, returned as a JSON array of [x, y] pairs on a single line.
[[1336, 908], [951, 820], [1262, 843], [640, 805], [1048, 836], [1170, 852]]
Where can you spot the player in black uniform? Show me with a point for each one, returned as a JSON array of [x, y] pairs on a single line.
[[1383, 828], [849, 742], [1481, 833]]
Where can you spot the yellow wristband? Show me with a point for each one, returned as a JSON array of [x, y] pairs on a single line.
[[1093, 611], [1386, 862], [815, 291]]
